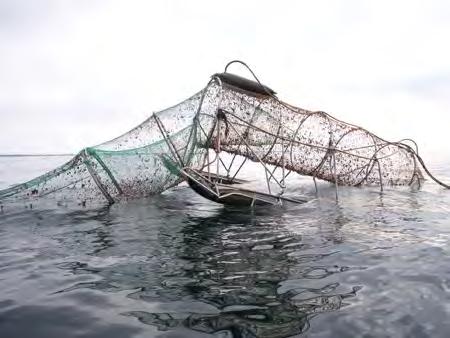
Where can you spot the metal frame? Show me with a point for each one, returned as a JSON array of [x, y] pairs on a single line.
[[288, 140]]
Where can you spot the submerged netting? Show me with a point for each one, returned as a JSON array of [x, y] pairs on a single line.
[[251, 122], [129, 166]]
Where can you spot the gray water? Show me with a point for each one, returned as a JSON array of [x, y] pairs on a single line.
[[177, 265]]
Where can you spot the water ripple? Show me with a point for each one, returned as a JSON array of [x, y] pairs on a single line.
[[372, 264]]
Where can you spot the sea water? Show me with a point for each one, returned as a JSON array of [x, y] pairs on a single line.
[[176, 265]]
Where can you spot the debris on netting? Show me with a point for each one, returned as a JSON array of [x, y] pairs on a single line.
[[244, 119]]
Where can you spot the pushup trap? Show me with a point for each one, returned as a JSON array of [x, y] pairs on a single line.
[[208, 140]]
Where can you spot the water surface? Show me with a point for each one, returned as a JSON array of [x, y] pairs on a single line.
[[177, 265]]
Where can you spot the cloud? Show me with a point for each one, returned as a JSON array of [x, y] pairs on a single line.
[[75, 73]]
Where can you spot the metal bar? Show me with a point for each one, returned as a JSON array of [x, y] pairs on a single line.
[[370, 167], [268, 195], [282, 155], [331, 150], [259, 159], [202, 98], [240, 142], [291, 142], [284, 176], [379, 173], [289, 172], [272, 145], [235, 174], [96, 178], [218, 146], [106, 169], [168, 141], [198, 182], [298, 142], [199, 174], [208, 140], [268, 182], [333, 160], [275, 167]]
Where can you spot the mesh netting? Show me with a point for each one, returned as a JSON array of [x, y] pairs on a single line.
[[312, 143], [259, 127], [129, 166]]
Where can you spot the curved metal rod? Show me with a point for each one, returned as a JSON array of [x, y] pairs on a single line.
[[328, 152], [297, 111], [374, 159], [412, 141], [250, 70], [297, 130], [240, 142], [298, 142]]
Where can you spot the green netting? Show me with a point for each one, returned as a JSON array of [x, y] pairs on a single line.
[[130, 166]]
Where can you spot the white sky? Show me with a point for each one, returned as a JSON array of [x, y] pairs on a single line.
[[76, 73]]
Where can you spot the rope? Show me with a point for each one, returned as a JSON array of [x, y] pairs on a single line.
[[422, 163]]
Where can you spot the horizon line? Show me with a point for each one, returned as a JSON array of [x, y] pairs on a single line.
[[35, 155]]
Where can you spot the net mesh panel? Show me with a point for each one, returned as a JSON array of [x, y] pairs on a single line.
[[312, 143], [129, 166], [140, 163]]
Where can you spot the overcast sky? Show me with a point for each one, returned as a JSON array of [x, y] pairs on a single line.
[[76, 73]]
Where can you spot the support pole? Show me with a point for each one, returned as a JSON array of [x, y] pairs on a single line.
[[96, 178], [106, 169], [379, 173], [253, 152], [217, 148], [169, 143], [333, 158], [283, 173]]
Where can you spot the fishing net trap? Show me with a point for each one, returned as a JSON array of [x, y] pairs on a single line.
[[243, 119]]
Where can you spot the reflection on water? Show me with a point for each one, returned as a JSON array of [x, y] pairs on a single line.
[[235, 262], [229, 259], [177, 265]]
